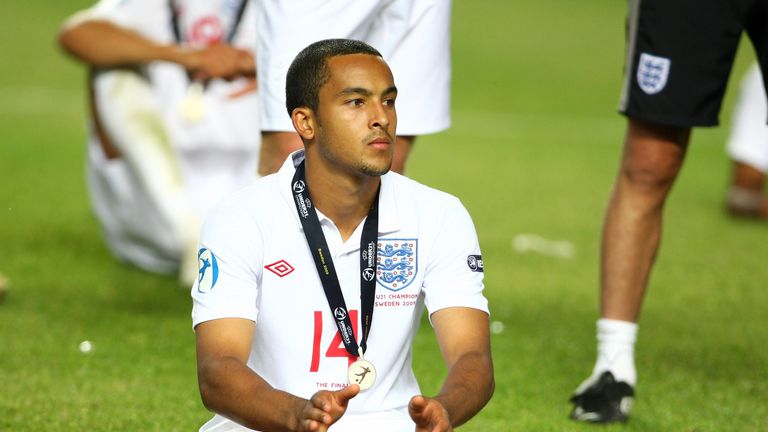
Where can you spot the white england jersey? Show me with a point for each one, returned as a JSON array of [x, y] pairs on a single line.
[[255, 264]]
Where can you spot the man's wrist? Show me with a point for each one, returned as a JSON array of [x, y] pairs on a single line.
[[295, 416], [444, 407], [182, 56]]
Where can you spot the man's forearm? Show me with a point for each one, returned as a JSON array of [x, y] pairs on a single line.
[[468, 387], [228, 387], [103, 44]]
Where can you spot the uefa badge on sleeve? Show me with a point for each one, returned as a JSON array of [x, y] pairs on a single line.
[[475, 263], [208, 270]]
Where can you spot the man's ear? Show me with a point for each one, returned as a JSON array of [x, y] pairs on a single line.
[[304, 122]]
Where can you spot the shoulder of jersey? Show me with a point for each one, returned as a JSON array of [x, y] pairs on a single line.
[[420, 192]]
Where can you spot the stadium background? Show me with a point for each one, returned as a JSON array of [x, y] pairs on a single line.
[[533, 150]]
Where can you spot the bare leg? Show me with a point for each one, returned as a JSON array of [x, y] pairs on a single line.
[[650, 163], [130, 126], [276, 146], [745, 197], [747, 177], [403, 146], [652, 158]]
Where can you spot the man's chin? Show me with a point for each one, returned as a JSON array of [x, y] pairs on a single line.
[[376, 170]]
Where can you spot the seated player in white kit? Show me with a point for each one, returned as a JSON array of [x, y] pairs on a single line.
[[748, 149], [413, 36], [173, 123], [306, 309]]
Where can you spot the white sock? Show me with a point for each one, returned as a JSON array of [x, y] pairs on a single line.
[[615, 349]]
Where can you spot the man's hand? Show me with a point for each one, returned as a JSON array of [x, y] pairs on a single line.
[[325, 408], [429, 415], [220, 61]]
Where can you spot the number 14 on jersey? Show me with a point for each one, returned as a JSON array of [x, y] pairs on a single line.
[[336, 347]]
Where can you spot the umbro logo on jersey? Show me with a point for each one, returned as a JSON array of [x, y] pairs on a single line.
[[280, 268]]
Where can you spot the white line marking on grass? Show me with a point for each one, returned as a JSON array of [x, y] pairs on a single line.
[[497, 327], [523, 243]]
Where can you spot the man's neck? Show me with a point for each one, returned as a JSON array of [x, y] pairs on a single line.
[[344, 198]]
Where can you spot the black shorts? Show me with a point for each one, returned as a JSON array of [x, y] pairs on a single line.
[[680, 53]]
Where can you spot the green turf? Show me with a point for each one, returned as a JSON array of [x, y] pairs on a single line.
[[533, 149]]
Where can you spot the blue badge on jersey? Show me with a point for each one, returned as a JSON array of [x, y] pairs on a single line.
[[396, 263], [208, 270]]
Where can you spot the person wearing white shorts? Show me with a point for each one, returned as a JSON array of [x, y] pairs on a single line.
[[748, 149], [174, 120], [413, 36]]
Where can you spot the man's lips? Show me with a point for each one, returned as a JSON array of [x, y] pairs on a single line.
[[380, 142]]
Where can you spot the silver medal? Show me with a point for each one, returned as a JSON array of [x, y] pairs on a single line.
[[193, 106], [362, 373]]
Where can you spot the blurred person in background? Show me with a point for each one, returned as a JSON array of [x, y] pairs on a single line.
[[413, 36], [173, 120], [678, 58], [748, 149]]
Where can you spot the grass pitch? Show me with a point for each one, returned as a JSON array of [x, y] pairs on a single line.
[[533, 149]]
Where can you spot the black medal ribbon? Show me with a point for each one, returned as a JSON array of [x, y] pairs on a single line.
[[326, 270]]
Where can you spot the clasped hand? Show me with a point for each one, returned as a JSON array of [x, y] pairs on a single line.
[[225, 62]]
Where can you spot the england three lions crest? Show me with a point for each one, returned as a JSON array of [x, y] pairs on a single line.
[[652, 73], [396, 263]]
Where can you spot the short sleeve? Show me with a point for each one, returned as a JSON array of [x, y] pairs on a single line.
[[454, 270], [230, 262]]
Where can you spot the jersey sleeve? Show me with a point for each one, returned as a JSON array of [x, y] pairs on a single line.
[[230, 263], [454, 268]]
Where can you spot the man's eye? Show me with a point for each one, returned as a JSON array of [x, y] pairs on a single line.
[[355, 102], [389, 102]]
